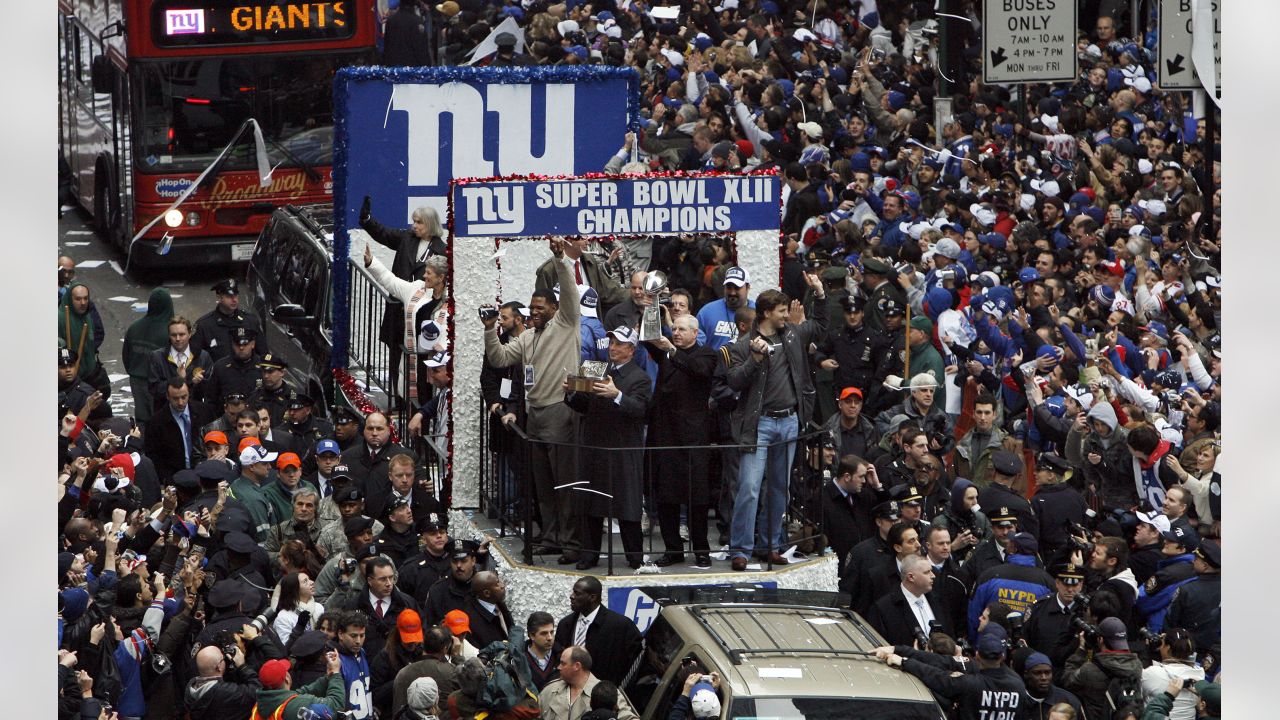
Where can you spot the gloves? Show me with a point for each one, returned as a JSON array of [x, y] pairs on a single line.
[[365, 212]]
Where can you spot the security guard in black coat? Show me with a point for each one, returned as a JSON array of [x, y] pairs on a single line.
[[397, 543], [1006, 466], [991, 693], [871, 560], [451, 592], [215, 330], [1049, 630], [275, 399], [237, 373], [862, 355], [1056, 504], [991, 551], [347, 427], [301, 429], [226, 598], [1197, 605]]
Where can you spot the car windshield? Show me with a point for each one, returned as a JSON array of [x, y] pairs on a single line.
[[830, 708], [190, 110]]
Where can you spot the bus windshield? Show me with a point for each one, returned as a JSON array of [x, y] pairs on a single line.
[[190, 109]]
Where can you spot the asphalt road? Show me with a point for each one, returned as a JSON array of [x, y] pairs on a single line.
[[121, 299]]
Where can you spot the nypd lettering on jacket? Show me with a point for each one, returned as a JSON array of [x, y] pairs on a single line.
[[998, 705], [601, 207]]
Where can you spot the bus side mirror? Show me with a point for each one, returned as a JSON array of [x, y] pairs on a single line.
[[102, 75]]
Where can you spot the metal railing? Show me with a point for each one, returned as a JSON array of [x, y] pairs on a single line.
[[507, 487]]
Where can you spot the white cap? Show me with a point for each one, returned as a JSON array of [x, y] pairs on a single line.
[[564, 27], [811, 128], [1156, 520], [254, 454], [673, 57]]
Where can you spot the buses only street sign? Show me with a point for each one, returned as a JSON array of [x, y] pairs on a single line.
[[1029, 41]]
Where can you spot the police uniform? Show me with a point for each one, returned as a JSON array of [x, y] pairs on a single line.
[[1054, 506], [908, 494], [1049, 630], [73, 395], [215, 329], [421, 571], [231, 376], [301, 438], [397, 545], [1197, 605], [886, 291], [863, 354], [871, 566], [274, 399], [988, 694], [989, 553], [997, 495], [1018, 584]]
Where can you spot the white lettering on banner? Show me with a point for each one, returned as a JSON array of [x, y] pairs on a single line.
[[497, 209], [747, 190], [563, 195], [654, 220], [641, 610], [425, 104]]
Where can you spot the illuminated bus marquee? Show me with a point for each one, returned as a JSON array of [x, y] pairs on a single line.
[[177, 23]]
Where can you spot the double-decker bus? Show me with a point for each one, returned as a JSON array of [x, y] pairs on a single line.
[[153, 91]]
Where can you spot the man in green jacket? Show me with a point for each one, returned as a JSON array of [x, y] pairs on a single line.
[[255, 466], [145, 336], [277, 700], [76, 330], [925, 357]]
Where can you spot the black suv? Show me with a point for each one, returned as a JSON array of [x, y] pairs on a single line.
[[288, 280]]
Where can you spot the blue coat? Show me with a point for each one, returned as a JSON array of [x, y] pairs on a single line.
[[1017, 584]]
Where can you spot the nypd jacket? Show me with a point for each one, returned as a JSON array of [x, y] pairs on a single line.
[[1018, 584], [988, 693]]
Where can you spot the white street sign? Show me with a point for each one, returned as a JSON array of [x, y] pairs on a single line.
[[1029, 41], [1177, 71]]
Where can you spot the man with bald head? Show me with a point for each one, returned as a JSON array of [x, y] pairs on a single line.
[[487, 609], [215, 693]]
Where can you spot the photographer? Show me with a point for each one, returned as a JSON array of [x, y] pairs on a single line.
[[1176, 663], [1102, 672], [226, 688]]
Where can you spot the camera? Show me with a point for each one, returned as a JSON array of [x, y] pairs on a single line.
[[1150, 638], [1188, 683], [488, 313], [346, 566], [1015, 621], [877, 55]]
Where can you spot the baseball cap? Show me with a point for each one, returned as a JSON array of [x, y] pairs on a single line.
[[1184, 536], [216, 436], [1211, 694], [1025, 543], [1155, 520], [273, 672], [253, 454], [991, 645], [287, 459], [438, 359], [736, 276], [356, 525], [328, 446], [1114, 634], [409, 625], [457, 621], [704, 701], [850, 392], [247, 441], [623, 334]]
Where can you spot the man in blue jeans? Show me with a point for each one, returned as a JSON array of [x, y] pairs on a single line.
[[769, 367]]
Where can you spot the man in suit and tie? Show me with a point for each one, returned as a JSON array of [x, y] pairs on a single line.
[[171, 439], [613, 417], [487, 609], [586, 272], [903, 616], [612, 640]]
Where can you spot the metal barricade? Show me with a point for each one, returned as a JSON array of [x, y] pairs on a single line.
[[507, 494], [370, 359]]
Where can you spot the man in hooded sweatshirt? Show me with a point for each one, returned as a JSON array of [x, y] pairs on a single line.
[[77, 330], [1096, 442], [146, 335]]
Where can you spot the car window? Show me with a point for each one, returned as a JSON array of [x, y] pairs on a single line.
[[693, 662], [300, 281], [284, 240]]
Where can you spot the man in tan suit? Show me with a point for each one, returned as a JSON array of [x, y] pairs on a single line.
[[569, 697]]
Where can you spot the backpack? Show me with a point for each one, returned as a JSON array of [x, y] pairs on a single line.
[[1122, 691], [509, 681]]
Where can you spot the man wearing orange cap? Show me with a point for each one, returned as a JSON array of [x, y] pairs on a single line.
[[459, 624], [280, 494], [216, 445], [279, 701]]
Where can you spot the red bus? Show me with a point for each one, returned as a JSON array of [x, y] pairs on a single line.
[[153, 91]]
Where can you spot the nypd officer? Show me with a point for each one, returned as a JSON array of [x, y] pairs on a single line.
[[871, 559], [215, 329], [1197, 605], [73, 392], [1049, 630], [301, 429], [856, 355], [876, 279], [237, 373], [347, 427], [1006, 466], [272, 391], [1057, 505], [992, 692]]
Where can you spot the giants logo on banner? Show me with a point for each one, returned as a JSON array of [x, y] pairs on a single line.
[[401, 135]]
